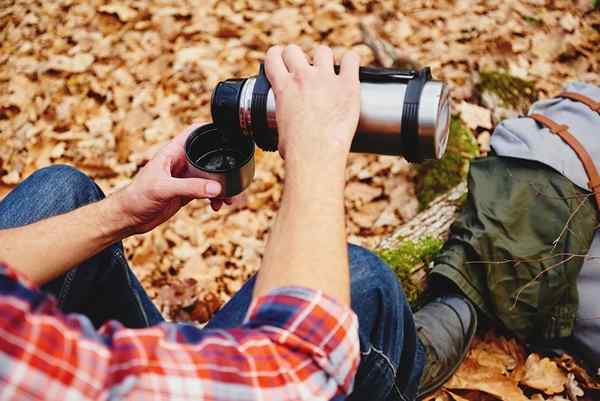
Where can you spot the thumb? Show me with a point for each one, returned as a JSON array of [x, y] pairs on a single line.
[[194, 188]]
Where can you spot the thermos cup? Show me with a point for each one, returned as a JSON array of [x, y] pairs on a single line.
[[402, 112], [211, 155]]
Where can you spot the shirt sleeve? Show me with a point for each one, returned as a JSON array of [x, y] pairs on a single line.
[[295, 344]]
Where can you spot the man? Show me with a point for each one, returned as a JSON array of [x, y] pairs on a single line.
[[288, 334]]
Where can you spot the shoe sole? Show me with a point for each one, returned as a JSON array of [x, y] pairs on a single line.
[[439, 383]]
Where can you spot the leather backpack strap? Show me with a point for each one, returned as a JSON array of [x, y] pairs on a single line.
[[588, 164], [578, 97]]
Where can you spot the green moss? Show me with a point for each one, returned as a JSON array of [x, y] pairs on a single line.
[[514, 93], [406, 256], [434, 177]]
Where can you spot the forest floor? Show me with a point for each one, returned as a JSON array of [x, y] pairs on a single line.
[[102, 85]]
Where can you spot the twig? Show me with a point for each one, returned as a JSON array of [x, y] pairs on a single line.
[[566, 226], [536, 278], [385, 54]]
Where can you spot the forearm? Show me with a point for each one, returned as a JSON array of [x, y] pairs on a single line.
[[46, 249], [307, 245]]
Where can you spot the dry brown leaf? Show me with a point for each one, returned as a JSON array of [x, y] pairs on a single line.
[[361, 193], [543, 374], [573, 389], [475, 116], [77, 63], [569, 23], [483, 139], [122, 10], [456, 397], [568, 363], [472, 376]]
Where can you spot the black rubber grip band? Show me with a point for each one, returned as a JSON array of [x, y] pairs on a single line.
[[409, 134], [265, 138]]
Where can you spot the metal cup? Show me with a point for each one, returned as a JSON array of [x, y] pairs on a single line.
[[210, 155]]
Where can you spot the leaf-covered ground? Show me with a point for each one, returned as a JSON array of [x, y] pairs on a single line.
[[103, 84]]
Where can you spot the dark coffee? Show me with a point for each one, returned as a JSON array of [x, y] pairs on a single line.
[[219, 159]]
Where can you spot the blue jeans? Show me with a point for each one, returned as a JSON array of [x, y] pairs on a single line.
[[105, 288]]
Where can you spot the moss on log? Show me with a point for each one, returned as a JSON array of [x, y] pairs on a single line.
[[405, 259], [411, 248], [513, 92], [435, 177]]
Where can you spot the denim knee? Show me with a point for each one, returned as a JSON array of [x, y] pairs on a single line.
[[48, 192], [375, 290], [62, 184], [368, 273]]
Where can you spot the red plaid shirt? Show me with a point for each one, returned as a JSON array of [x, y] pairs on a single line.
[[295, 344]]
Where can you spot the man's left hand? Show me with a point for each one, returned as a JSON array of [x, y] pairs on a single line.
[[159, 190]]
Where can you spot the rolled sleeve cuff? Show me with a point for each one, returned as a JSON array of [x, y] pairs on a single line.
[[306, 319]]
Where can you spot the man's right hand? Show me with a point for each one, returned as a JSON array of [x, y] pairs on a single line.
[[317, 115], [317, 110]]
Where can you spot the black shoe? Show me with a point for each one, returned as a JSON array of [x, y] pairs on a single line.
[[446, 326]]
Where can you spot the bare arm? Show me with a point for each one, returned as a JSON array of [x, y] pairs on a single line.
[[317, 115], [44, 250]]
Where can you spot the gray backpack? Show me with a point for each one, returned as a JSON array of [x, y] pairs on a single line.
[[574, 116]]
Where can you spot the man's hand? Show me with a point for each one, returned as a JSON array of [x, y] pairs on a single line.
[[317, 110], [46, 249], [159, 190], [317, 115]]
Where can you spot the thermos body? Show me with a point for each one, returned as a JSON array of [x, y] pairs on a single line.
[[380, 121], [401, 113]]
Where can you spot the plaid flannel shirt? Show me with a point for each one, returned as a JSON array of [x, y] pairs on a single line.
[[295, 344]]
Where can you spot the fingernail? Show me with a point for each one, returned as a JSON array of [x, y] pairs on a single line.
[[213, 188]]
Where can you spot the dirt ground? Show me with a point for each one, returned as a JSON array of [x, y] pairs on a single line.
[[102, 85]]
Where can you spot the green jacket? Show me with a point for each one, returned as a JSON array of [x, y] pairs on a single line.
[[518, 245]]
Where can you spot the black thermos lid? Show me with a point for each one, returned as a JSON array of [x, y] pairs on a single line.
[[224, 106]]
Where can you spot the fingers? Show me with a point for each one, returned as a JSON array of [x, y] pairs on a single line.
[[295, 59], [275, 67], [349, 66], [323, 58], [174, 151], [195, 188]]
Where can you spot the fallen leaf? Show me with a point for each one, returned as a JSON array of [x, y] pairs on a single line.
[[123, 11], [569, 23], [11, 178], [361, 193], [457, 397], [483, 139], [475, 116], [573, 389], [472, 376], [78, 63], [543, 374]]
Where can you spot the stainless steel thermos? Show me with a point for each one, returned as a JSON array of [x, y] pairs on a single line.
[[402, 112]]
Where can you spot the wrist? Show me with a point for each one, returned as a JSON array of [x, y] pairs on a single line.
[[316, 169], [323, 186], [115, 222]]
